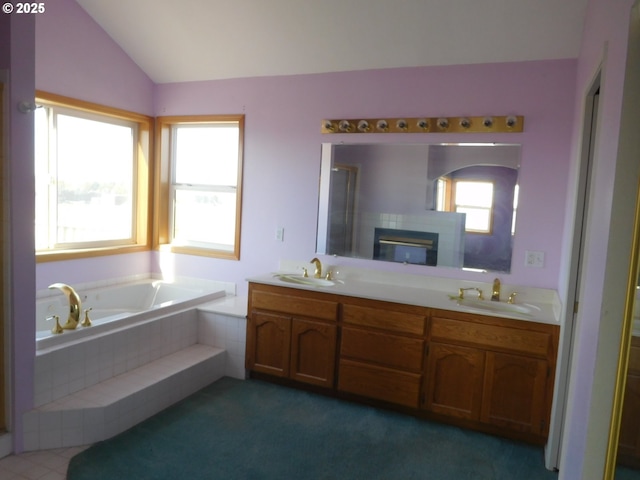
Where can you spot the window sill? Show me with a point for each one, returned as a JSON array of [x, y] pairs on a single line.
[[59, 255], [202, 252]]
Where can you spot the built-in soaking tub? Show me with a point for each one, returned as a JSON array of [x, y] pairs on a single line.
[[119, 306]]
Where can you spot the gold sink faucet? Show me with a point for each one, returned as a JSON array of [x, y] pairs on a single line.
[[318, 272], [74, 305], [495, 292]]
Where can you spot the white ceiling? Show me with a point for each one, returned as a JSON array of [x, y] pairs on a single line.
[[187, 40]]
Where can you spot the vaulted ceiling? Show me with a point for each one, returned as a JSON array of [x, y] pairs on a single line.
[[189, 40]]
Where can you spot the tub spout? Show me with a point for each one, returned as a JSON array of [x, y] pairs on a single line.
[[74, 305]]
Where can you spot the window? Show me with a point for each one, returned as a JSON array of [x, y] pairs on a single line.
[[199, 201], [476, 200], [473, 198], [92, 175]]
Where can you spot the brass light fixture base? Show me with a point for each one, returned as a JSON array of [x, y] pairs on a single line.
[[485, 124]]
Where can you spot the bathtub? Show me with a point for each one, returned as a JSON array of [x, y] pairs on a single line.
[[119, 306]]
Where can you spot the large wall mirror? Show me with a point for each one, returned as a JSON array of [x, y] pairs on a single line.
[[443, 205]]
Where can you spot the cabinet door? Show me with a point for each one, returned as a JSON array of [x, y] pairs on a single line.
[[268, 343], [514, 394], [454, 380], [313, 352]]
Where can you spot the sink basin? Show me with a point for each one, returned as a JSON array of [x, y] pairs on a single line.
[[295, 278], [503, 307]]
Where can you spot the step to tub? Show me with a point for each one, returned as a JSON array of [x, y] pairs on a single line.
[[115, 405]]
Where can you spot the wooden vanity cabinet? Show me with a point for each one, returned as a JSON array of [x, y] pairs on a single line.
[[487, 373], [497, 371], [291, 334], [382, 351]]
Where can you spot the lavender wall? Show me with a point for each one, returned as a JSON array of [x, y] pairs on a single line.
[[606, 259], [282, 150], [76, 58], [19, 195], [382, 190]]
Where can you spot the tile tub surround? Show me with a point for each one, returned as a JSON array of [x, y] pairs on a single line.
[[421, 290], [128, 375], [223, 323]]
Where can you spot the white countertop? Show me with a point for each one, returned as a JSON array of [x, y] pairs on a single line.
[[433, 292]]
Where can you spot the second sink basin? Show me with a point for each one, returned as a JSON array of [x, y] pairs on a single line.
[[488, 305], [295, 278]]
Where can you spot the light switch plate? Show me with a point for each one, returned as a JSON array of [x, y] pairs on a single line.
[[533, 259]]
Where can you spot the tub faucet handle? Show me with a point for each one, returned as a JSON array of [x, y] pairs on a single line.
[[57, 328], [87, 321]]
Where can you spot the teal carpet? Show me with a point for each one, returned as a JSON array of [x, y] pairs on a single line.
[[236, 429]]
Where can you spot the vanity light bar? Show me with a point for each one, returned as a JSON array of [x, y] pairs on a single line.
[[502, 124]]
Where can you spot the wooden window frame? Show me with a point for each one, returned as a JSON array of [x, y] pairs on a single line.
[[142, 228], [454, 206], [162, 185]]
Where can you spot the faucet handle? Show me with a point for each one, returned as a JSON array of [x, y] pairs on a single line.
[[305, 274], [87, 321], [480, 296], [512, 297], [57, 328]]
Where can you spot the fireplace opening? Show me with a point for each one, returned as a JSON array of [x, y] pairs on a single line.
[[405, 246]]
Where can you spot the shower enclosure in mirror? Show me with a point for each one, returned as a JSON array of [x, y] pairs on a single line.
[[444, 205]]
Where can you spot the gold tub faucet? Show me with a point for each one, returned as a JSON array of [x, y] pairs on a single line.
[[318, 272], [74, 305]]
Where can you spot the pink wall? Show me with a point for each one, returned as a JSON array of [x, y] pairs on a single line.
[[20, 195], [599, 322], [282, 150], [76, 58]]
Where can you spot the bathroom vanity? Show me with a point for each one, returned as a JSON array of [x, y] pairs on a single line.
[[461, 365]]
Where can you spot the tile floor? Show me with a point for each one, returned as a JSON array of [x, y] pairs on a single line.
[[38, 465]]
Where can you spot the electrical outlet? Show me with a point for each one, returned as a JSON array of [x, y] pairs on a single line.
[[533, 259], [280, 234]]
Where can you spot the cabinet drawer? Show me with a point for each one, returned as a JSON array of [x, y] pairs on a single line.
[[381, 383], [308, 307], [458, 331], [383, 348], [385, 319]]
